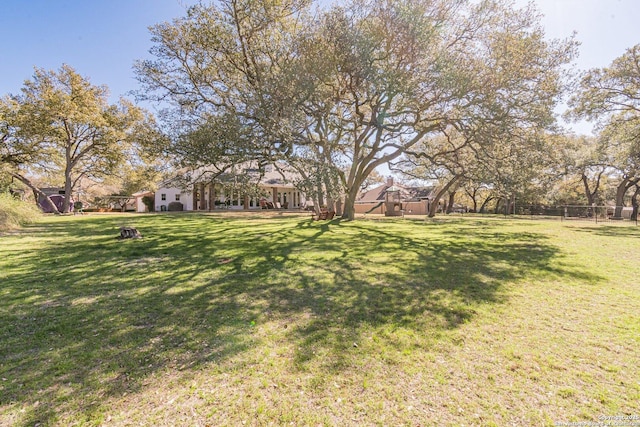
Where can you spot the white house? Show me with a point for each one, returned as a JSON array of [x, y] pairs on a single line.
[[276, 189]]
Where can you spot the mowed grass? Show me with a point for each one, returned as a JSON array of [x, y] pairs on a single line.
[[277, 320]]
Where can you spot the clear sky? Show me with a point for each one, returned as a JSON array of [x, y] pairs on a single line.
[[102, 38], [605, 28]]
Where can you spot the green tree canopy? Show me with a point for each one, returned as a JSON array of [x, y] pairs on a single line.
[[358, 85], [610, 97], [63, 124]]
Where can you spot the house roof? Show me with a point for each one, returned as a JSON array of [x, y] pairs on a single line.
[[375, 194], [407, 193], [279, 175], [142, 193], [272, 176]]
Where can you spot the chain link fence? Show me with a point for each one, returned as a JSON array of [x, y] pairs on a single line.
[[609, 214]]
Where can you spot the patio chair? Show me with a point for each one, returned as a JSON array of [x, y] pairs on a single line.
[[323, 215]]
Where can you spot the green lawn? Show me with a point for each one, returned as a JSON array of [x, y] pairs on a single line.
[[256, 320]]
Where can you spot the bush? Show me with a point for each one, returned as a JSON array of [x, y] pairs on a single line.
[[175, 206], [14, 212], [149, 202]]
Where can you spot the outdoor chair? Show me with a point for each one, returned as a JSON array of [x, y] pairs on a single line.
[[323, 215]]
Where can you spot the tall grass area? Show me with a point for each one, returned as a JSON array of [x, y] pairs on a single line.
[[15, 213], [257, 320]]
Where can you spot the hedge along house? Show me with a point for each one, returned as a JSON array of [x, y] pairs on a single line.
[[242, 188]]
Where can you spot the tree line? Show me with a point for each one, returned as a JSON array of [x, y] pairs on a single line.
[[462, 93]]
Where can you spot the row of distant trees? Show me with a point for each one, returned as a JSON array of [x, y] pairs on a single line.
[[559, 168], [461, 93]]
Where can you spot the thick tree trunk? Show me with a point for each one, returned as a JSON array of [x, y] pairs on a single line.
[[37, 192], [587, 190], [319, 197], [590, 195], [472, 196], [66, 205], [483, 207], [434, 204], [349, 212], [68, 186], [621, 191], [331, 205], [634, 203], [452, 198]]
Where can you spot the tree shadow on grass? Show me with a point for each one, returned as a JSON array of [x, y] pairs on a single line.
[[88, 317], [611, 230]]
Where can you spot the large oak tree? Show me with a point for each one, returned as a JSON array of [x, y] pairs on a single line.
[[360, 84], [610, 96], [21, 147], [63, 124]]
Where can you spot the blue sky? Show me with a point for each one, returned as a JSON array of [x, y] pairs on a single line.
[[606, 28], [101, 39]]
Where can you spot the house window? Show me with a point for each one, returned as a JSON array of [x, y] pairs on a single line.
[[177, 197], [163, 196]]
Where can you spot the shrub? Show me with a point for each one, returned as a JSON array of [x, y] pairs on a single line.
[[149, 202], [15, 212], [175, 206]]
